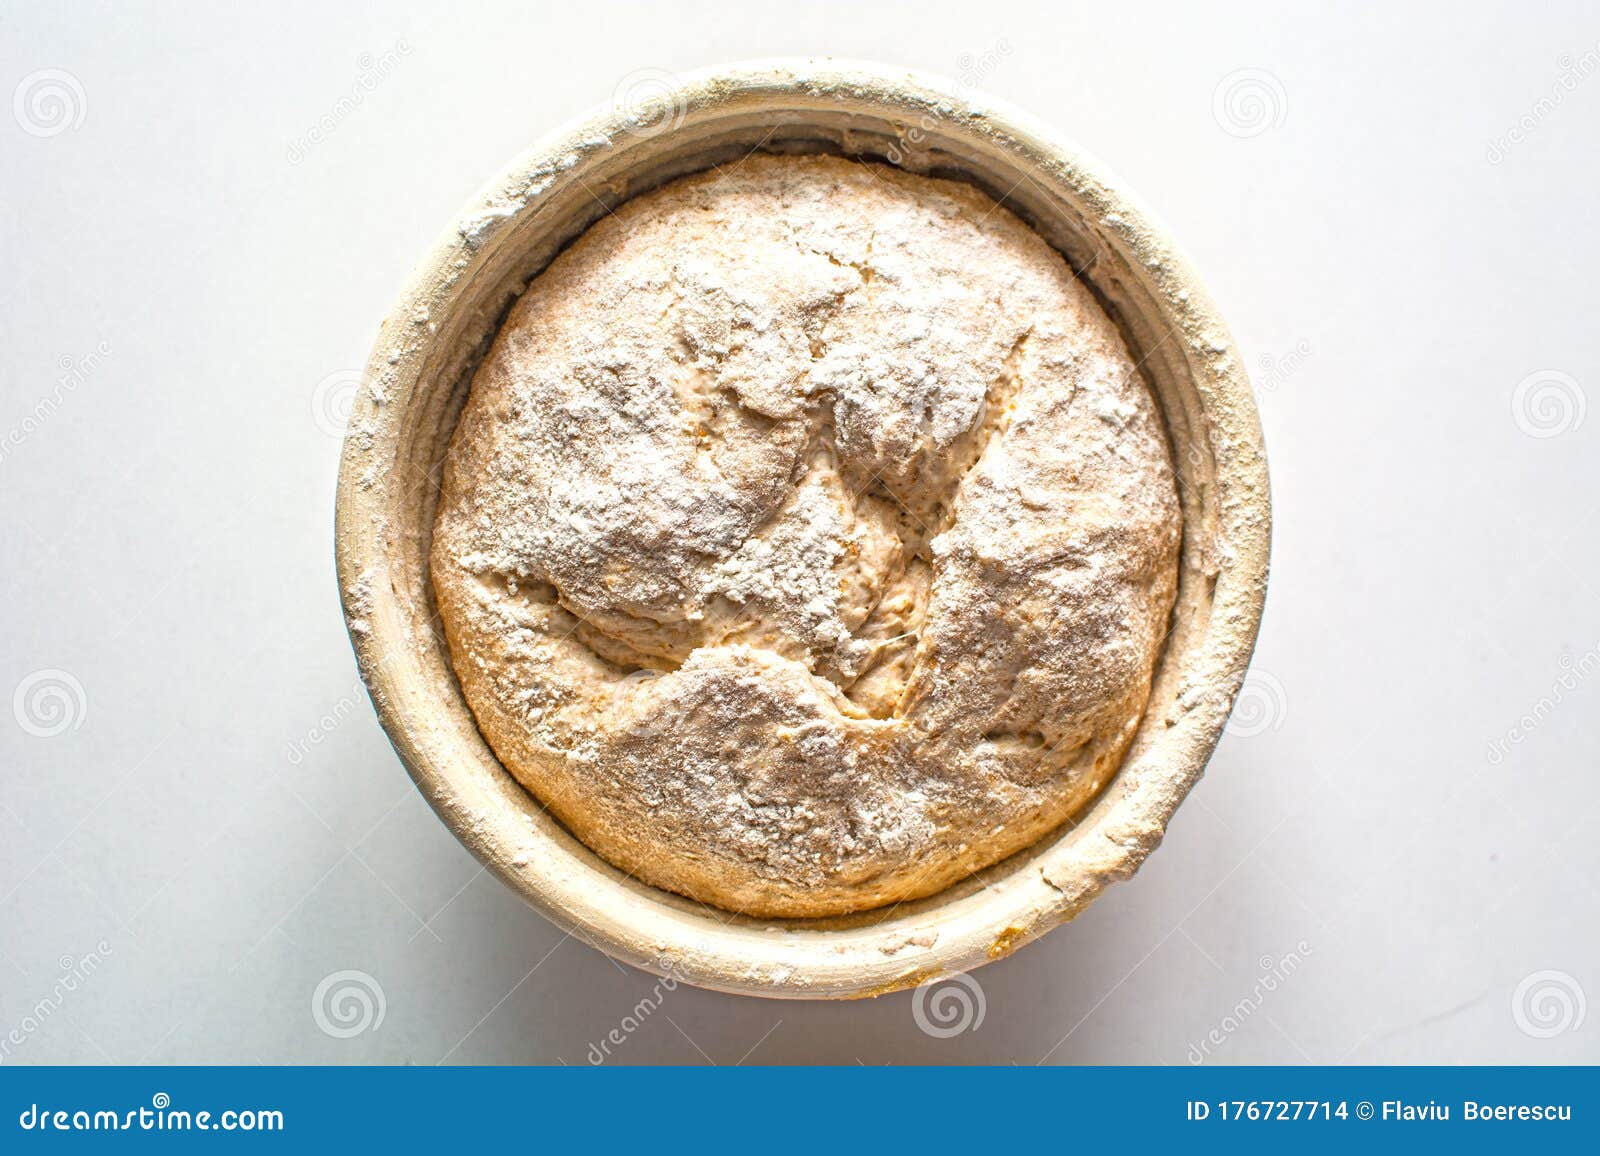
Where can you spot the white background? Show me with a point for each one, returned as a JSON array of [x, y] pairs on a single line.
[[221, 824]]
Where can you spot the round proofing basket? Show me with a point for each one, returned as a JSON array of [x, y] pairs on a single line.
[[418, 379]]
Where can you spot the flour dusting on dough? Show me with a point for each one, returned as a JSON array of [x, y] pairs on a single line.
[[808, 538]]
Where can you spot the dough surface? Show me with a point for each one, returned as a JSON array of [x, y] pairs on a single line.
[[808, 538]]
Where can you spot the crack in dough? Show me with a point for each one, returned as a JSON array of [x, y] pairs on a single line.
[[808, 538]]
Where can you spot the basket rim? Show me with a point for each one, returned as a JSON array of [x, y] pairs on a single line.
[[808, 959]]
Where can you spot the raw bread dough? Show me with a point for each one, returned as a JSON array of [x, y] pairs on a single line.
[[808, 538]]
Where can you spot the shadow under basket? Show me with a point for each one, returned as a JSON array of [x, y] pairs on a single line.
[[417, 381]]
